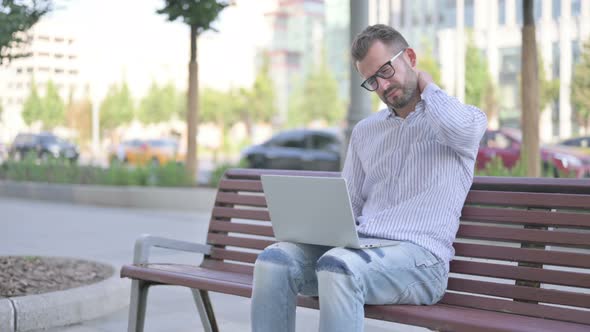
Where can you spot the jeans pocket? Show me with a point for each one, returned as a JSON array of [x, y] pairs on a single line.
[[424, 258]]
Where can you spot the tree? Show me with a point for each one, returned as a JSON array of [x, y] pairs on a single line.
[[221, 108], [199, 15], [317, 99], [580, 93], [16, 17], [428, 63], [258, 103], [159, 105], [117, 108], [54, 109], [477, 75], [549, 89], [79, 116], [33, 106], [530, 93]]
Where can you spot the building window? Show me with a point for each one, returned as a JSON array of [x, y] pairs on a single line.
[[519, 13], [19, 70], [58, 39], [58, 71], [44, 38], [555, 60], [73, 72], [576, 7], [72, 57], [449, 14], [556, 9], [502, 12], [58, 55], [468, 14], [43, 54], [30, 70], [44, 69]]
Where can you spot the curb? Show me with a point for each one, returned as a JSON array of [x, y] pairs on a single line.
[[60, 308], [187, 199]]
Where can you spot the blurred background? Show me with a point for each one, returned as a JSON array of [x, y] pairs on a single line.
[[97, 92]]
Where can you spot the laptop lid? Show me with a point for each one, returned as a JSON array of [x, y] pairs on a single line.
[[314, 210]]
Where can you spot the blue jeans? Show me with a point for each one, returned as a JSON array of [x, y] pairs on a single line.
[[344, 279]]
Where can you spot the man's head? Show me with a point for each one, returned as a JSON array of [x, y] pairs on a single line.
[[387, 64]]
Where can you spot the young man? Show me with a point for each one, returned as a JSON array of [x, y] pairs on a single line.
[[408, 168]]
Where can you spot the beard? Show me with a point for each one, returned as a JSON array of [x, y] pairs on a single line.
[[408, 89]]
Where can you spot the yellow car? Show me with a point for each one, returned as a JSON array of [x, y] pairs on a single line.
[[147, 152]]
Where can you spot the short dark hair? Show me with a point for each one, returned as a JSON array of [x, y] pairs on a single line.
[[384, 33]]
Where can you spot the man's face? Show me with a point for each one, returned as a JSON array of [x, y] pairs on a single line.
[[398, 90]]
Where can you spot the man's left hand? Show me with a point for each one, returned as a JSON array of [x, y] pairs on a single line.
[[423, 80]]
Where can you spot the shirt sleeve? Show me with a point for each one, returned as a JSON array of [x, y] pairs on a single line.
[[355, 176], [457, 125]]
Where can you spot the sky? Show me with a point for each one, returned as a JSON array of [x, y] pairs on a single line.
[[127, 40]]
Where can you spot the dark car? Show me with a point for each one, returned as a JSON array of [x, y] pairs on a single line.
[[505, 143], [579, 142], [43, 146], [302, 149]]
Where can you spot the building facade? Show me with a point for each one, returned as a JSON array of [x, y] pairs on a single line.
[[53, 57], [562, 27]]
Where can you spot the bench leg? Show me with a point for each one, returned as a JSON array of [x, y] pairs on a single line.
[[205, 310], [139, 292]]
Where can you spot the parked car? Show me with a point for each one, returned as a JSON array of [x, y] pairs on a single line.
[[302, 149], [43, 146], [505, 143], [582, 142], [142, 152]]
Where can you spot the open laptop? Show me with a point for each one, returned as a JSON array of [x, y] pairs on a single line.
[[314, 210]]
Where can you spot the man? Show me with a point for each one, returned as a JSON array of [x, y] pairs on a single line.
[[408, 169]]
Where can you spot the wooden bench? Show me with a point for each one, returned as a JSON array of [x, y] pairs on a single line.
[[522, 257]]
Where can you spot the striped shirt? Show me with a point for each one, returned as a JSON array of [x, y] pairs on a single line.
[[408, 178]]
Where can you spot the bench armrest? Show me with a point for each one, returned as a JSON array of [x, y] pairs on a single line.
[[146, 241]]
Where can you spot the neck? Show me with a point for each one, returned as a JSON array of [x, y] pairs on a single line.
[[409, 108]]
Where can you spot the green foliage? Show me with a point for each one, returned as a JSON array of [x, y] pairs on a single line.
[[54, 109], [477, 76], [62, 171], [195, 13], [218, 172], [317, 99], [495, 167], [117, 108], [160, 104], [49, 110], [580, 93], [218, 107], [259, 101], [549, 89], [16, 17], [32, 108], [428, 63]]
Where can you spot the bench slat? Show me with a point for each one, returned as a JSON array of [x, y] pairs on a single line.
[[238, 256], [523, 235], [513, 272], [523, 255], [525, 199], [228, 212], [225, 226], [242, 242], [532, 217], [214, 264], [521, 308], [241, 185], [239, 199], [519, 292]]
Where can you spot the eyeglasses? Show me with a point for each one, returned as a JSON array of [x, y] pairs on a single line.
[[386, 71]]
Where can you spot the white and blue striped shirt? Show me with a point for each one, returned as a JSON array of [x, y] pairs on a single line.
[[408, 178]]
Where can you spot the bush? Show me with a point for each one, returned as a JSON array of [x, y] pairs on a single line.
[[219, 170], [62, 171]]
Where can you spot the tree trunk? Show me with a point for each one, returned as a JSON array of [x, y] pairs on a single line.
[[530, 94], [193, 109]]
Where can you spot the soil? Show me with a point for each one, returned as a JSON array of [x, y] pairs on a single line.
[[27, 275]]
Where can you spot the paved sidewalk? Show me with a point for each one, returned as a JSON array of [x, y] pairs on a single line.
[[108, 234]]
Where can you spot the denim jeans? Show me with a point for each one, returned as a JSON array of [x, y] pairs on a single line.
[[344, 279]]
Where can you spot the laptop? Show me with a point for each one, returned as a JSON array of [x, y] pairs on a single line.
[[314, 210]]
